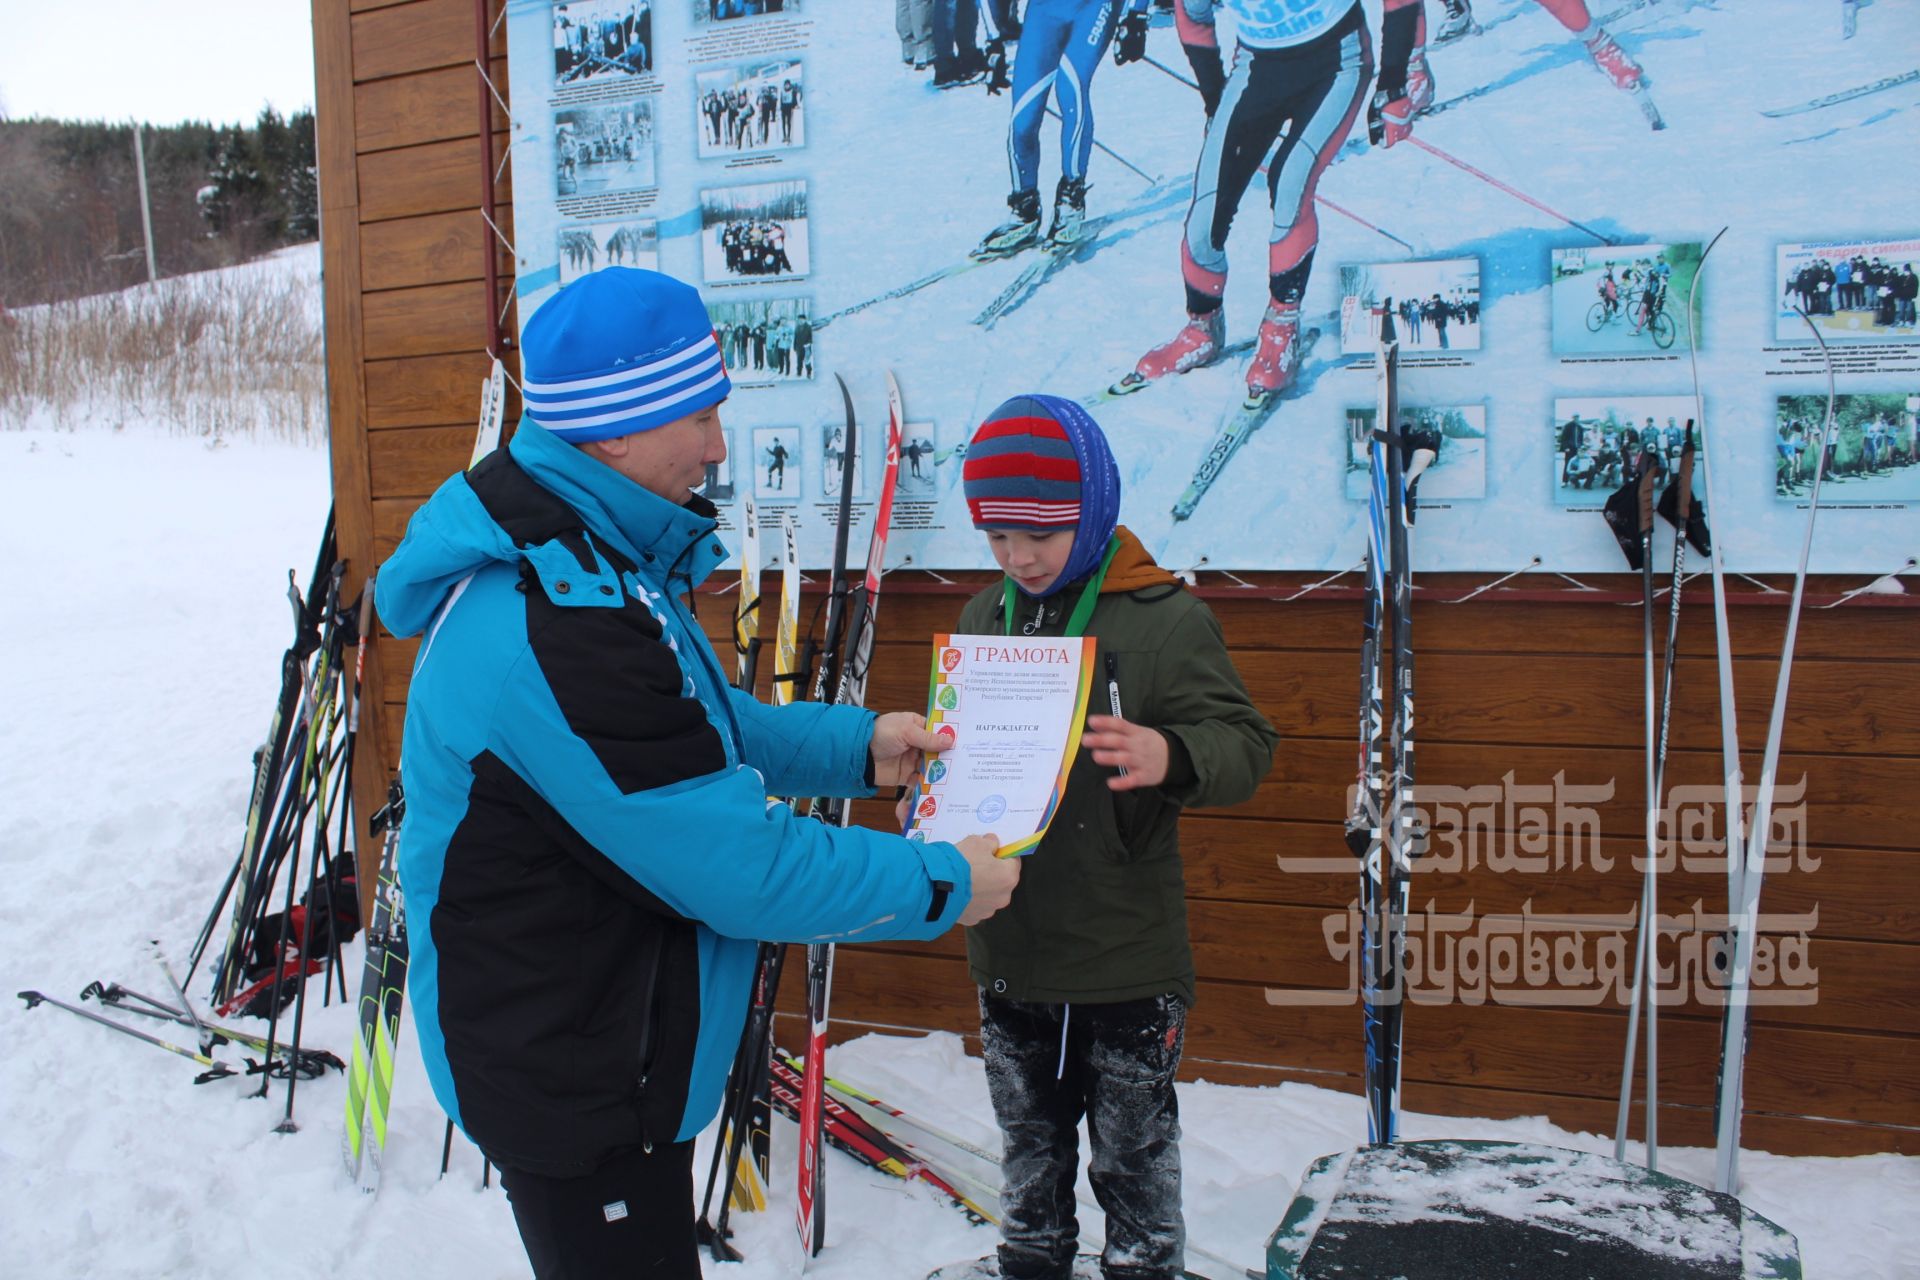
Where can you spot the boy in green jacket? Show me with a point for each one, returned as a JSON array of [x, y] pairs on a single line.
[[1087, 976]]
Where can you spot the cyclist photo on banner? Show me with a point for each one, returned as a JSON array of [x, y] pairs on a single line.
[[1621, 299]]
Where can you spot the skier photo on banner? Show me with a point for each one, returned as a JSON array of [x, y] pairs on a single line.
[[601, 39], [1447, 446], [1300, 76], [773, 449], [1849, 289], [1871, 459], [1435, 305], [604, 150], [1085, 986], [1061, 43], [1621, 299], [754, 232], [1596, 438], [756, 106]]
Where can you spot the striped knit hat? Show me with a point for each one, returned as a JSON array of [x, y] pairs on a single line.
[[617, 351], [1041, 463]]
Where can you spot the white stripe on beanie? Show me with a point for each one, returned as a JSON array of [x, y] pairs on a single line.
[[644, 409], [599, 380], [652, 389]]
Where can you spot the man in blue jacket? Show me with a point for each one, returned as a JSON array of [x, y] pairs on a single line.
[[589, 853]]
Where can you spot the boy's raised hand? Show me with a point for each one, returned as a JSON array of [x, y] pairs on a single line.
[[898, 739], [1121, 744]]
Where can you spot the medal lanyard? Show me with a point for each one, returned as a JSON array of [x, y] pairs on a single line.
[[1089, 595]]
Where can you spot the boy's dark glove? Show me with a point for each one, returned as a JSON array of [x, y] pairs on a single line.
[[1209, 73], [997, 67], [1131, 44]]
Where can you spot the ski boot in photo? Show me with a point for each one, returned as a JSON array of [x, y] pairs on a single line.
[[1198, 343], [1625, 73], [1018, 232], [1275, 355], [1069, 213], [1612, 59], [1458, 23]]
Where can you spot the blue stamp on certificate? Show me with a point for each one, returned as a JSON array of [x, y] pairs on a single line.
[[990, 808]]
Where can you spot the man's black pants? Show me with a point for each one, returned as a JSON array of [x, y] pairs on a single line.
[[632, 1218]]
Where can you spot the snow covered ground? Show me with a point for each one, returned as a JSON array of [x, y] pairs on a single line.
[[144, 583]]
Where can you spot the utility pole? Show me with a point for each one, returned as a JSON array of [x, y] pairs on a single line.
[[146, 209]]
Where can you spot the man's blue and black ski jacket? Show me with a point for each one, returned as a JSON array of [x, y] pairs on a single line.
[[589, 853]]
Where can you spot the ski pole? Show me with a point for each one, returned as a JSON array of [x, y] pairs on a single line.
[[1146, 177], [215, 1069], [1732, 1082], [1498, 185], [179, 993], [311, 1063]]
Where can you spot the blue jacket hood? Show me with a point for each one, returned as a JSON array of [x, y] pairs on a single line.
[[452, 534]]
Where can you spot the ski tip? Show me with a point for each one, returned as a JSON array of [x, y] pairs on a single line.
[[1127, 385]]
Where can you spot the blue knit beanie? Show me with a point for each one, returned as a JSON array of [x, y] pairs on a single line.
[[617, 351]]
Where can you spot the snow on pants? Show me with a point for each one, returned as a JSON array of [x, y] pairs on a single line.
[[632, 1217], [1305, 97], [1061, 44], [1047, 1066]]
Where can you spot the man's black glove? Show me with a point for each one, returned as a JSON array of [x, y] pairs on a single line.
[[1131, 44], [997, 67]]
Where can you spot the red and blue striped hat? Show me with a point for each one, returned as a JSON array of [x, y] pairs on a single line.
[[618, 351], [1041, 463]]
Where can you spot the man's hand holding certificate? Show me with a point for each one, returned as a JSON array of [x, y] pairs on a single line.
[[1010, 711]]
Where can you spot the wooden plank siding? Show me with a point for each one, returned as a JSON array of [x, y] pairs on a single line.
[[1510, 694]]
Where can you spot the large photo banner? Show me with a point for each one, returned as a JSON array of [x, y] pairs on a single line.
[[1202, 242]]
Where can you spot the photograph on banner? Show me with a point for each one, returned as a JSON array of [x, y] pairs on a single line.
[[1459, 466], [1849, 288], [1596, 438], [1435, 306], [1206, 329], [776, 464], [833, 460], [752, 106], [630, 242], [765, 340], [601, 40], [915, 481], [754, 233], [1870, 459], [719, 486], [604, 150], [1623, 299], [705, 11]]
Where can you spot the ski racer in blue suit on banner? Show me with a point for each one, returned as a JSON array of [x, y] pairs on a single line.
[[589, 855], [1299, 78], [1061, 44]]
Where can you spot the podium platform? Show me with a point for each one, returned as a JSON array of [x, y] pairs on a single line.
[[1458, 1210]]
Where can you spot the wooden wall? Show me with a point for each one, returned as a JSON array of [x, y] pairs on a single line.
[[1511, 687]]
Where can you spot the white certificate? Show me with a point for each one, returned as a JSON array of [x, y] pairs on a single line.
[[1012, 708]]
